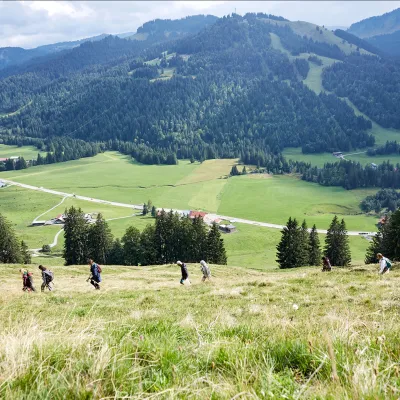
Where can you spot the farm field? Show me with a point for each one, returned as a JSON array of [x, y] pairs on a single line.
[[145, 336], [28, 152]]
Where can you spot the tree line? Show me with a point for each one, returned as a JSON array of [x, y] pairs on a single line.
[[387, 199], [12, 250], [300, 247], [170, 238]]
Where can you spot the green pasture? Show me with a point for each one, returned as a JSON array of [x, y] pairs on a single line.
[[28, 152]]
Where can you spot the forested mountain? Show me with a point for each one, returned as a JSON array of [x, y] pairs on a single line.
[[389, 43], [379, 25], [224, 89]]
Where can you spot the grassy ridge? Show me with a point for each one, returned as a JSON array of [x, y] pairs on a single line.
[[145, 336]]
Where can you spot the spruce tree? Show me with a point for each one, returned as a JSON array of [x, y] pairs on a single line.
[[10, 250], [375, 247], [148, 249], [288, 250], [153, 211], [337, 247], [304, 248], [391, 237], [75, 237], [216, 253], [145, 209], [131, 244], [116, 254], [244, 170], [100, 240], [25, 254], [315, 249]]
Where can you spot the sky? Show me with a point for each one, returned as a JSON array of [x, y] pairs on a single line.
[[33, 23]]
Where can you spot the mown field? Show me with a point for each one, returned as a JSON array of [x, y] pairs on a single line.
[[244, 335], [28, 152]]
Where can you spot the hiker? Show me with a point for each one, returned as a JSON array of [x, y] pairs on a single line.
[[384, 264], [27, 281], [326, 264], [47, 278], [95, 277], [205, 269], [185, 273]]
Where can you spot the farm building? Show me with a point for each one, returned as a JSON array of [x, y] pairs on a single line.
[[227, 228], [38, 223], [374, 166], [337, 154], [197, 214]]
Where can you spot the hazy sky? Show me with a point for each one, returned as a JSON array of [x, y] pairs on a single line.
[[33, 23]]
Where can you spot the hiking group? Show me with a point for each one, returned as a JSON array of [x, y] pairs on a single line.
[[95, 273]]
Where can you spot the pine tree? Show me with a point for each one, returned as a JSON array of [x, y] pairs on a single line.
[[75, 237], [100, 240], [304, 248], [131, 243], [197, 240], [148, 249], [216, 253], [289, 248], [337, 247], [26, 256], [116, 255], [375, 247], [315, 249], [10, 251], [234, 171], [244, 170], [391, 237], [145, 209], [153, 211]]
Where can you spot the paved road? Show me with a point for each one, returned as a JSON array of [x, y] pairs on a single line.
[[139, 207]]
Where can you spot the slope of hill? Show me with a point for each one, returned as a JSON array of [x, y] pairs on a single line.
[[389, 43], [379, 25], [244, 334]]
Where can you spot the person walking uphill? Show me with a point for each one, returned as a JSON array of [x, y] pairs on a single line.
[[184, 271], [95, 277], [27, 281], [384, 264], [205, 269], [47, 278]]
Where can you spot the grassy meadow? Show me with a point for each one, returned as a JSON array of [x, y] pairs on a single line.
[[28, 152], [243, 335]]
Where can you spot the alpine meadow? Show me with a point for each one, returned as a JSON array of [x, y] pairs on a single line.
[[201, 207]]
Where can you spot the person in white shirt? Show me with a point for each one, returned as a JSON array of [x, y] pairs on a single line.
[[384, 264]]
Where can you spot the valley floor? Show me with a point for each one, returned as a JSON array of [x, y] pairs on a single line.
[[296, 334]]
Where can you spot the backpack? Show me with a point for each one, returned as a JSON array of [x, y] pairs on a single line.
[[50, 275], [388, 263], [99, 268]]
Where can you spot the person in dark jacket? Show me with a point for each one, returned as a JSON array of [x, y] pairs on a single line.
[[184, 271], [95, 277], [47, 278], [326, 264], [27, 281]]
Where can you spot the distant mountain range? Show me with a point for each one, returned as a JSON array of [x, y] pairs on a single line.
[[205, 87]]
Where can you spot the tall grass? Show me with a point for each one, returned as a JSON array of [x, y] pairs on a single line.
[[144, 336]]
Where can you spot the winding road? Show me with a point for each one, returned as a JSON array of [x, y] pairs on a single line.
[[140, 207]]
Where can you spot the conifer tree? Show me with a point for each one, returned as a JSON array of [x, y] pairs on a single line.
[[75, 237], [315, 249], [145, 209], [216, 253], [375, 247], [100, 240], [10, 251], [288, 249], [116, 254], [337, 247], [304, 249], [198, 240], [153, 211], [26, 256], [148, 250], [391, 237], [244, 170], [234, 171], [131, 244]]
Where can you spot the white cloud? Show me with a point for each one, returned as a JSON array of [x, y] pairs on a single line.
[[30, 24]]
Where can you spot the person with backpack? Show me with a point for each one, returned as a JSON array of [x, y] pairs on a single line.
[[184, 271], [27, 281], [384, 264], [47, 278], [95, 277], [326, 264], [205, 269]]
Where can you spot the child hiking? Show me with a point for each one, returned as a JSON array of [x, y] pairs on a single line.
[[384, 264], [184, 271], [205, 269], [47, 278], [95, 271], [326, 264], [27, 281]]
